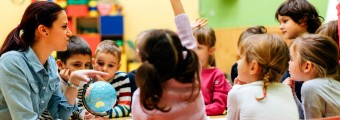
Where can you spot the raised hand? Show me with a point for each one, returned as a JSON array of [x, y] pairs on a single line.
[[199, 22]]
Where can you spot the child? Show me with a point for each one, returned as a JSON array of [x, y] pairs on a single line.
[[132, 74], [215, 87], [248, 32], [107, 59], [261, 65], [314, 59], [297, 17], [329, 29], [168, 79], [77, 57]]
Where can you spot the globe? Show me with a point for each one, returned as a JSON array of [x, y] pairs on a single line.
[[100, 96]]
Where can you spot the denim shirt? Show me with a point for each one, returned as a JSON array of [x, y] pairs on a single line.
[[27, 87]]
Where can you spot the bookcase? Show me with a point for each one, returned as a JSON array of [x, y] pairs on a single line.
[[85, 21]]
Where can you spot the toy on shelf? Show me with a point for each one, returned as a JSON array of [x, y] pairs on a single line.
[[109, 7]]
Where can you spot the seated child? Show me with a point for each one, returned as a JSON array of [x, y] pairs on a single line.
[[107, 59], [77, 57], [215, 87], [314, 60], [261, 65]]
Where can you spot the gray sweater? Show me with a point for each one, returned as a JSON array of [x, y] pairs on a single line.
[[321, 98]]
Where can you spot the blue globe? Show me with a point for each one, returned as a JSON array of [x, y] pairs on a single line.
[[100, 96]]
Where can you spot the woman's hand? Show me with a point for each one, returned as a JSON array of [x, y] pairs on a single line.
[[85, 75]]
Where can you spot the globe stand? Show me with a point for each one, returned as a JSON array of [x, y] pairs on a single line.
[[85, 104]]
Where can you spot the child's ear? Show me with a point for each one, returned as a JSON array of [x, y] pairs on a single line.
[[254, 67], [211, 50], [307, 67], [118, 66], [60, 64], [93, 61]]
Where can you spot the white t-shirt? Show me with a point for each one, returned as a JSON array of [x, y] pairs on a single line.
[[278, 105]]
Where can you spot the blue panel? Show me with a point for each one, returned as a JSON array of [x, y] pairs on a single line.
[[111, 25]]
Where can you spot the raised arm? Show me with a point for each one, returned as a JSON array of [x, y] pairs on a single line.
[[183, 26], [338, 9]]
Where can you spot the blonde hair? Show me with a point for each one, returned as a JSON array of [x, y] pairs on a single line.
[[321, 51], [109, 46], [271, 53]]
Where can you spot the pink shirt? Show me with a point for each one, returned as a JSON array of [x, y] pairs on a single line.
[[215, 90], [174, 93]]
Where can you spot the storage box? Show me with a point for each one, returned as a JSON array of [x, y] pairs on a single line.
[[111, 25], [93, 40], [77, 10], [77, 2]]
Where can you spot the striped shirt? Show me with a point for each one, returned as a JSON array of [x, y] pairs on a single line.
[[121, 83]]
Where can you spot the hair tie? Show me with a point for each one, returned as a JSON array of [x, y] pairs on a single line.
[[19, 27], [184, 49]]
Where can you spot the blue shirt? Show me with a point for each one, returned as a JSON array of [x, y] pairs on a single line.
[[27, 87]]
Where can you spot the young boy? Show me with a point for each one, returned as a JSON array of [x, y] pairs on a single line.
[[77, 57], [107, 59]]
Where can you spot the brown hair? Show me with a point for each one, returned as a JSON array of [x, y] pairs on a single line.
[[321, 51], [109, 46], [37, 13], [270, 51], [162, 58], [329, 29], [206, 36], [251, 31], [301, 11]]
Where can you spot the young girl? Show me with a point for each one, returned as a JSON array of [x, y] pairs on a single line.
[[314, 59], [107, 59], [168, 79], [261, 65], [248, 32], [29, 81], [215, 87]]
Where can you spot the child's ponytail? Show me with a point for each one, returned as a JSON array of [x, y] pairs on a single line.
[[188, 72], [151, 88]]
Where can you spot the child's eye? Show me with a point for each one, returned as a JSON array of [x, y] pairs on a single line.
[[65, 26], [111, 65], [100, 63], [87, 65], [76, 65]]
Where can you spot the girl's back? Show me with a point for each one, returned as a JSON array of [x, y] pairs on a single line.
[[279, 103], [174, 95]]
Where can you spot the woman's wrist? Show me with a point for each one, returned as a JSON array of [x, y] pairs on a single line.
[[72, 85]]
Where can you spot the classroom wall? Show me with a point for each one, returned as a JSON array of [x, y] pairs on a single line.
[[140, 15], [11, 12]]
